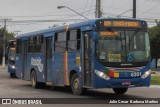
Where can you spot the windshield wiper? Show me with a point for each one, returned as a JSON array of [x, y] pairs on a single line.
[[132, 37]]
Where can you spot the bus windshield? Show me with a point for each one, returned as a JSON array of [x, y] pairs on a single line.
[[123, 46], [11, 54]]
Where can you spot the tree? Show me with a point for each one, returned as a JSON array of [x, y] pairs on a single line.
[[154, 33], [9, 36]]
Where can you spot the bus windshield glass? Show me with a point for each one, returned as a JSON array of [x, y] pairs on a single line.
[[12, 54], [123, 46]]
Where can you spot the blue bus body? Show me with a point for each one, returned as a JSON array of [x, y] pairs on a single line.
[[11, 58], [11, 67], [60, 59]]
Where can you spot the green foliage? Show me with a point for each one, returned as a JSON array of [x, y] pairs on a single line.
[[155, 80], [9, 36], [154, 33]]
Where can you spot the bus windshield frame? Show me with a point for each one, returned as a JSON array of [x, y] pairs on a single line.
[[12, 54], [126, 47]]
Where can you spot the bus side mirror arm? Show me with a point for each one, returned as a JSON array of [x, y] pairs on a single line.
[[95, 36]]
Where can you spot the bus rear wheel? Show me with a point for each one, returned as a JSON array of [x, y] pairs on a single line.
[[34, 82], [75, 85], [120, 90]]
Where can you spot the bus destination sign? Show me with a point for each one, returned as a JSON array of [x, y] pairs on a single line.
[[108, 33], [103, 24], [121, 24]]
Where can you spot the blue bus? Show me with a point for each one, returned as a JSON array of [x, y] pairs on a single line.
[[11, 52], [98, 53]]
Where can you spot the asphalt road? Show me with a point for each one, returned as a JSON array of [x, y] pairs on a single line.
[[17, 88]]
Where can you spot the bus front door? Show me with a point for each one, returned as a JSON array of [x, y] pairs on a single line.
[[48, 59], [87, 59]]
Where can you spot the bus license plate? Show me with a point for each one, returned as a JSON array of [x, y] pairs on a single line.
[[126, 83]]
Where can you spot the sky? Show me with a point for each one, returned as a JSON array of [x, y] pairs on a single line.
[[32, 15]]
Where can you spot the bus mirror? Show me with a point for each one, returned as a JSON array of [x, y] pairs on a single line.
[[95, 36]]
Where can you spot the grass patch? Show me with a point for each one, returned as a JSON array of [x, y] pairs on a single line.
[[155, 80]]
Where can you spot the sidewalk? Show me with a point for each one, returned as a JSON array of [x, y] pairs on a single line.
[[2, 67], [154, 86], [155, 72]]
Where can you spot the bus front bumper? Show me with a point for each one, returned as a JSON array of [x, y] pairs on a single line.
[[121, 83]]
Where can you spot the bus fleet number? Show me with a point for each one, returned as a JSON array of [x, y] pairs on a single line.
[[136, 74]]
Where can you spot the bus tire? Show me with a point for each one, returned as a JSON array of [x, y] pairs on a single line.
[[75, 85], [34, 82], [42, 85], [120, 90], [12, 75]]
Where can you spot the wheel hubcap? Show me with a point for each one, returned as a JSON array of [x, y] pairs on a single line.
[[33, 80], [76, 84]]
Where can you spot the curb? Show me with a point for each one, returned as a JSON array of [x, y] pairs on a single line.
[[156, 74], [154, 86]]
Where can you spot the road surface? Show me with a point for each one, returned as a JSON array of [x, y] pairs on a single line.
[[17, 88]]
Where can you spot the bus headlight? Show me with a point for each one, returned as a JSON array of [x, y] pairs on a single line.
[[146, 74], [13, 67], [102, 75]]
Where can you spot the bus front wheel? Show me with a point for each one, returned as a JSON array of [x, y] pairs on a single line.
[[75, 85], [120, 90], [34, 82]]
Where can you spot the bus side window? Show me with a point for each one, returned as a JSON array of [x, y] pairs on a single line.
[[74, 40], [19, 46], [35, 44], [30, 45], [60, 42]]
